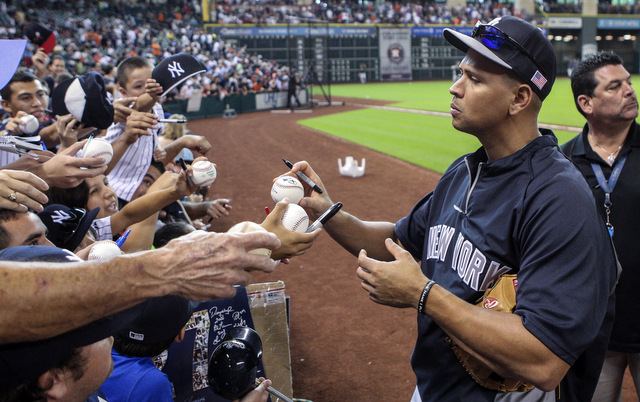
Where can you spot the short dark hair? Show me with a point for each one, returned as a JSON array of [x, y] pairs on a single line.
[[19, 76], [128, 65], [76, 197], [31, 391], [583, 79], [6, 215], [170, 231], [128, 347], [55, 57]]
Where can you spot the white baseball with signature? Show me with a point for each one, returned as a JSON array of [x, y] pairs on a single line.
[[287, 187], [204, 173]]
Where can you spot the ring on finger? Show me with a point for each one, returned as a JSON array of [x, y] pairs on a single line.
[[12, 197]]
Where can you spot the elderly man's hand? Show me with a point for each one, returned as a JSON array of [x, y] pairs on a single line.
[[207, 265]]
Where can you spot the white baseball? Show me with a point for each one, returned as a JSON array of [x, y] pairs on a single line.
[[204, 173], [295, 218], [246, 227], [104, 249], [98, 148], [287, 187], [29, 124]]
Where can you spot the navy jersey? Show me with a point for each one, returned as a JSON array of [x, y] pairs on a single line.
[[530, 213]]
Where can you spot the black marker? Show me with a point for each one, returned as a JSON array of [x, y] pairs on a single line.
[[304, 177], [186, 172], [328, 214]]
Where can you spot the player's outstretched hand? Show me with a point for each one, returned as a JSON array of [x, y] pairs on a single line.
[[66, 171], [207, 265], [27, 189], [396, 283], [313, 202], [293, 243]]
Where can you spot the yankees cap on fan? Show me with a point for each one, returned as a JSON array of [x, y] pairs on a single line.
[[516, 45], [176, 69], [26, 361], [67, 226], [85, 97], [41, 36]]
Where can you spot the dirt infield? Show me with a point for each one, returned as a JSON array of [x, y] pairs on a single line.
[[343, 346]]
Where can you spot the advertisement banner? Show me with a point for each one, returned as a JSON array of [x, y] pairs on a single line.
[[395, 54]]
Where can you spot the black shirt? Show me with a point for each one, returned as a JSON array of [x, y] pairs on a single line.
[[625, 217]]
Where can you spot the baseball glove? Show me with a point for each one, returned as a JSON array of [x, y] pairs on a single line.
[[500, 297]]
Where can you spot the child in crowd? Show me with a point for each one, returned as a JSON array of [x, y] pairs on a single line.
[[134, 142]]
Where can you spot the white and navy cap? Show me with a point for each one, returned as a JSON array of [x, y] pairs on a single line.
[[176, 69], [85, 97], [516, 45]]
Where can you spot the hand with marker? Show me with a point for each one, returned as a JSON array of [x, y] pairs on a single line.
[[314, 203]]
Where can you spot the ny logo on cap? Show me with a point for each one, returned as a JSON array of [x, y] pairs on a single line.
[[59, 216], [176, 68]]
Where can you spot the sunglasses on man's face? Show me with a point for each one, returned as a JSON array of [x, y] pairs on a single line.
[[493, 38]]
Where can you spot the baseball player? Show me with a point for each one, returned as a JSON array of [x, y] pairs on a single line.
[[516, 206]]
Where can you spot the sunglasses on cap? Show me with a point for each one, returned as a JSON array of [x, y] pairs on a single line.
[[494, 38], [68, 227]]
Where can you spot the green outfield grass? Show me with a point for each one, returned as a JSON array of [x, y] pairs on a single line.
[[428, 141]]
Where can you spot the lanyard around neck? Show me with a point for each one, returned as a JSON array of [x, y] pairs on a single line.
[[608, 185]]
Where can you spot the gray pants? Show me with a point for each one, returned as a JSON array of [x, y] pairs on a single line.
[[609, 387]]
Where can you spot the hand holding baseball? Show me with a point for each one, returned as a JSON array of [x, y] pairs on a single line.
[[292, 243]]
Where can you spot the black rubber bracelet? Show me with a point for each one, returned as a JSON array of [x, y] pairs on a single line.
[[423, 296]]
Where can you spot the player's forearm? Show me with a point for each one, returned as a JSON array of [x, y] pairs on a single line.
[[354, 235], [498, 339], [40, 300]]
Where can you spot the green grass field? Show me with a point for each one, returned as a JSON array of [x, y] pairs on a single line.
[[428, 141]]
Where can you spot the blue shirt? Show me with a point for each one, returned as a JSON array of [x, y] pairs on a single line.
[[136, 379]]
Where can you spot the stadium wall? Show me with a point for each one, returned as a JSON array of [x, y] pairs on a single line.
[[215, 107], [350, 48]]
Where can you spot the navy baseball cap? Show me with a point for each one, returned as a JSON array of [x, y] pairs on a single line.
[[26, 361], [516, 45], [12, 51], [160, 319], [67, 226], [85, 97], [176, 69]]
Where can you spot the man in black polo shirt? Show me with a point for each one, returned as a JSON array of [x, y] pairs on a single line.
[[607, 154]]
